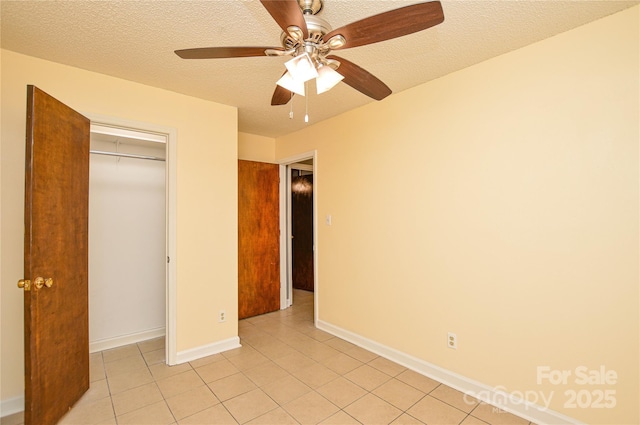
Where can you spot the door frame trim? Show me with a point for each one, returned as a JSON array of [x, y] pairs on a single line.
[[171, 135], [286, 284]]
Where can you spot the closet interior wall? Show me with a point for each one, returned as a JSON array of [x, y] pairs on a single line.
[[127, 241]]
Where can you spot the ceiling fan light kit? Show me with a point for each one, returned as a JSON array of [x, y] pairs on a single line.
[[311, 40], [327, 79], [289, 83], [302, 68]]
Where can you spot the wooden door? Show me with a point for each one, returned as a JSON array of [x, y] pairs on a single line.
[[56, 322], [302, 231], [258, 238]]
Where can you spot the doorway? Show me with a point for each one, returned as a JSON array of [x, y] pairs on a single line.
[[131, 235], [306, 164], [301, 195]]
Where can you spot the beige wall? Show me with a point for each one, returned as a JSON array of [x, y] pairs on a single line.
[[206, 195], [500, 203], [252, 147]]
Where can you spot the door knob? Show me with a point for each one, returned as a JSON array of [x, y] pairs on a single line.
[[24, 284], [39, 282]]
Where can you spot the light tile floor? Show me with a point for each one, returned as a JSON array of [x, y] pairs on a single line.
[[287, 372]]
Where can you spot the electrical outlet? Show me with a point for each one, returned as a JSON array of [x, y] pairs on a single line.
[[452, 340], [222, 316]]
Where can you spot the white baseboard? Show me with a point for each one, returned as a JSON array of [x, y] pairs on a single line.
[[208, 350], [16, 404], [119, 341], [11, 406], [493, 396]]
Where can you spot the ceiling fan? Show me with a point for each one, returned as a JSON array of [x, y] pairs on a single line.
[[311, 40]]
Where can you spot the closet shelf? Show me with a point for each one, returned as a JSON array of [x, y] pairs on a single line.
[[127, 155]]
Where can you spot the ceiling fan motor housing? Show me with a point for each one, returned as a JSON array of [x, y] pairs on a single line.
[[317, 28], [310, 6]]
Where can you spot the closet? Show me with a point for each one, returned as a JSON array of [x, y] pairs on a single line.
[[127, 237]]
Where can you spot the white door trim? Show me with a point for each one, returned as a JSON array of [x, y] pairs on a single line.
[[171, 135], [286, 283], [285, 291]]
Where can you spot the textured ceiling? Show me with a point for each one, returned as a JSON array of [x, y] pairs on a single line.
[[135, 40]]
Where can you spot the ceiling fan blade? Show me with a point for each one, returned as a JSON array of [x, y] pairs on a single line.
[[361, 80], [281, 96], [286, 13], [224, 52], [394, 23]]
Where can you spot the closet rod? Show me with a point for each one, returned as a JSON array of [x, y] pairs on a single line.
[[128, 155]]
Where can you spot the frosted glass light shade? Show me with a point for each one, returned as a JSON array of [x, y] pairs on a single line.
[[302, 68], [290, 84], [327, 79]]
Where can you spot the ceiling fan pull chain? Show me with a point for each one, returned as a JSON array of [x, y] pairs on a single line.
[[291, 105], [306, 102]]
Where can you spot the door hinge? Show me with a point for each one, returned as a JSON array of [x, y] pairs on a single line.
[[168, 259]]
